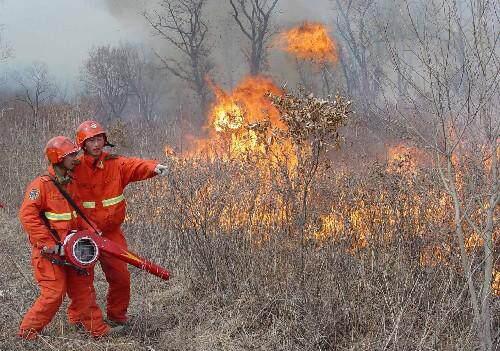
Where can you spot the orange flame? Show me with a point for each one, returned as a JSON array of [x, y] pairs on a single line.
[[309, 41], [247, 103], [232, 113], [495, 285], [169, 151], [404, 159]]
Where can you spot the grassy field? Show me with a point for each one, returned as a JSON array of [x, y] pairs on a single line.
[[373, 267]]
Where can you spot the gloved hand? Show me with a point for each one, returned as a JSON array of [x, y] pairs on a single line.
[[55, 250], [161, 170]]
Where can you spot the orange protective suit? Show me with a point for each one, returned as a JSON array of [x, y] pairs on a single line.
[[101, 183], [44, 199]]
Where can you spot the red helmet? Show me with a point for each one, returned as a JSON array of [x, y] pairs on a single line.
[[89, 129], [59, 147]]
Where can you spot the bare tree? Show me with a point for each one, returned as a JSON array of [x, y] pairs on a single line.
[[181, 23], [451, 66], [5, 52], [361, 48], [105, 76], [146, 85], [252, 16], [34, 87], [5, 49]]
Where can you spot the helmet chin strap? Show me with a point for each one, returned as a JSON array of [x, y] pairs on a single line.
[[62, 174]]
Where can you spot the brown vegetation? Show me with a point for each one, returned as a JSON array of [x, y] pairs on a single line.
[[372, 265]]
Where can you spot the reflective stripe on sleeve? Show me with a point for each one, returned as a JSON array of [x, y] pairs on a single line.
[[88, 204], [113, 201], [59, 216]]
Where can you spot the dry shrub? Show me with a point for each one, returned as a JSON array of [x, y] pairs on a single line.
[[243, 277], [343, 297]]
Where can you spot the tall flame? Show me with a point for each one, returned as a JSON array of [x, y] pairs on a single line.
[[232, 115], [404, 159], [309, 41], [247, 103]]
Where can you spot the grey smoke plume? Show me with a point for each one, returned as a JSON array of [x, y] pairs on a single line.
[[226, 41], [225, 37]]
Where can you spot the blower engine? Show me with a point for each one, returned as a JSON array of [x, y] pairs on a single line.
[[82, 249]]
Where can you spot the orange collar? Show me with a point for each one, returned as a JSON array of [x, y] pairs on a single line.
[[93, 162]]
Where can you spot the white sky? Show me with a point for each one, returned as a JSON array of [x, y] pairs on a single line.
[[59, 32]]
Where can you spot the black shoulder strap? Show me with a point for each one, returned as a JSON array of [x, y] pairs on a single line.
[[72, 203], [52, 231]]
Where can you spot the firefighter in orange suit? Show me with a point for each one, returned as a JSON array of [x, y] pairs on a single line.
[[47, 217], [101, 178]]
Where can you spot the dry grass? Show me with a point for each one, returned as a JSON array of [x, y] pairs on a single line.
[[244, 282]]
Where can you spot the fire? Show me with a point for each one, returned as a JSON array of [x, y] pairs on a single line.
[[405, 205], [404, 159], [169, 151], [495, 286], [473, 241], [239, 121], [309, 41], [243, 123], [228, 116], [246, 104]]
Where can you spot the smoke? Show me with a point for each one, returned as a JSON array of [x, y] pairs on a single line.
[[130, 13], [287, 12], [225, 37], [227, 43], [124, 9]]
